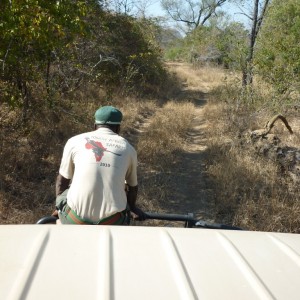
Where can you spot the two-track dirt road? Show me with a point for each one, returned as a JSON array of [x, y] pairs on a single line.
[[192, 190], [189, 187]]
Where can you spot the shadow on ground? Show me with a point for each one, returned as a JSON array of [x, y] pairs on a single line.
[[186, 186]]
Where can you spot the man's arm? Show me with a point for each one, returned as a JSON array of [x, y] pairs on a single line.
[[137, 213], [62, 184]]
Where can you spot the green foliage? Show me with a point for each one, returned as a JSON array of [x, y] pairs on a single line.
[[174, 53], [211, 44], [124, 52], [51, 48], [232, 44], [278, 52], [30, 31]]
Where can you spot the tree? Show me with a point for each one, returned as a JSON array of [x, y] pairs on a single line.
[[129, 54], [257, 20], [130, 7], [192, 13], [232, 44], [30, 32], [256, 15], [121, 6], [49, 49], [278, 52], [224, 44]]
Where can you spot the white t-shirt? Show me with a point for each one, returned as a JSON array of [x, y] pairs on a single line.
[[98, 163]]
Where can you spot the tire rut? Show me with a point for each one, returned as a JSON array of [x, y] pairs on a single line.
[[189, 189]]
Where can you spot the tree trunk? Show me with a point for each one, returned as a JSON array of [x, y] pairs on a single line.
[[256, 25]]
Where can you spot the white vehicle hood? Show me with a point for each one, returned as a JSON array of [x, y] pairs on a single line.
[[131, 262]]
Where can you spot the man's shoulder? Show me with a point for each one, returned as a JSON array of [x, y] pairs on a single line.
[[128, 143], [74, 139]]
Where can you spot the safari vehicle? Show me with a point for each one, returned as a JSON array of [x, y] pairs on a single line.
[[141, 262]]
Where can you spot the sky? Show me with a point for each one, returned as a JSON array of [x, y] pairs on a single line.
[[155, 9]]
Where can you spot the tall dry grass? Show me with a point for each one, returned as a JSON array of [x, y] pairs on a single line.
[[202, 79], [165, 134], [159, 144], [251, 189], [31, 153]]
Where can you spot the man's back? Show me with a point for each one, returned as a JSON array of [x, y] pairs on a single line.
[[102, 161]]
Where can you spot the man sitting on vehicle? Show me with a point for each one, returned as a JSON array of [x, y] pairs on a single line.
[[97, 164]]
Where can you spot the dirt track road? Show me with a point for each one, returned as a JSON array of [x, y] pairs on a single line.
[[192, 191], [187, 186]]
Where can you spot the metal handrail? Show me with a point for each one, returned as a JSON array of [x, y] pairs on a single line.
[[188, 219], [47, 220]]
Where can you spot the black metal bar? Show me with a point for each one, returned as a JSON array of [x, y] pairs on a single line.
[[47, 220], [190, 221], [171, 217], [208, 225]]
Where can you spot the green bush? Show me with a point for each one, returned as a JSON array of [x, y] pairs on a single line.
[[278, 52]]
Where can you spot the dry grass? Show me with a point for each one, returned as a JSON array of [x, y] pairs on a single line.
[[251, 190], [158, 145], [203, 79], [165, 134], [31, 154]]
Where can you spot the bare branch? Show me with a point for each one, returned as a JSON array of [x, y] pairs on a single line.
[[270, 124], [262, 14], [193, 13], [5, 56], [246, 15]]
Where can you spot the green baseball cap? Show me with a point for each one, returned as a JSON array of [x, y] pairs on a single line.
[[108, 115]]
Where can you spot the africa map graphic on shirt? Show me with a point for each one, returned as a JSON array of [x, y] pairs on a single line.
[[97, 148]]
